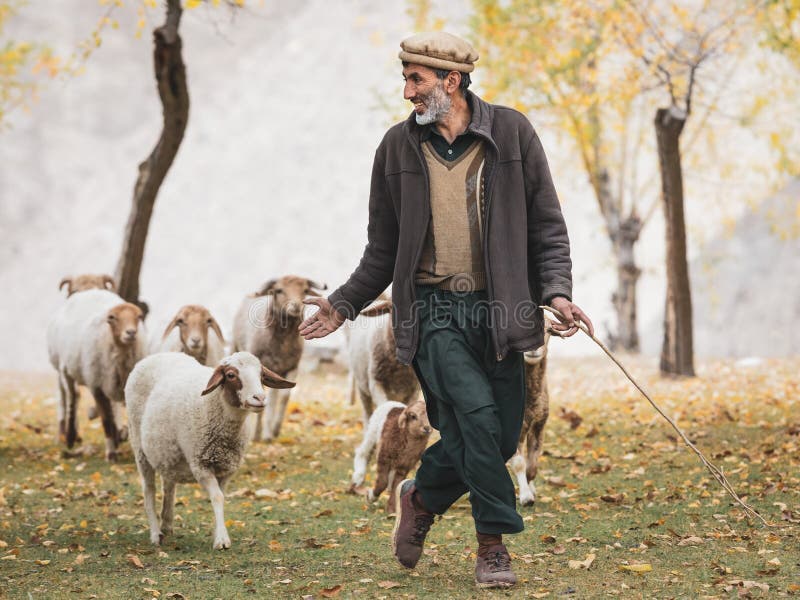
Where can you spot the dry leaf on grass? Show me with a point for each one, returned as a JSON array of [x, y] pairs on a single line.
[[582, 564], [387, 585], [332, 592], [692, 540], [134, 560], [640, 568]]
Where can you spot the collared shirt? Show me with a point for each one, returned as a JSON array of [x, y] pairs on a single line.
[[452, 151]]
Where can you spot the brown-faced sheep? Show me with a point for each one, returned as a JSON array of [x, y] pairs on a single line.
[[266, 326], [401, 434], [95, 339], [188, 332]]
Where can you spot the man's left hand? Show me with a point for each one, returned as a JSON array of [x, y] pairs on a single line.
[[568, 326]]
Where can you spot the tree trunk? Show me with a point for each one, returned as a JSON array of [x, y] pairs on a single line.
[[624, 233], [624, 298], [677, 354], [171, 81]]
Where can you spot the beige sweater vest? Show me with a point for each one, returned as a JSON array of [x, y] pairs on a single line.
[[452, 256]]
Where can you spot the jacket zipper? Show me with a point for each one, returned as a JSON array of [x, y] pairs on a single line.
[[489, 290]]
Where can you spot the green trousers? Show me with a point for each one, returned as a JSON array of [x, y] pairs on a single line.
[[476, 403]]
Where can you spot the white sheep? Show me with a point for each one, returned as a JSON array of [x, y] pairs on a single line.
[[266, 326], [94, 339], [187, 423], [375, 372], [188, 332]]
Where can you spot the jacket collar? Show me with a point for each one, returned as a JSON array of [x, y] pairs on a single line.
[[480, 124]]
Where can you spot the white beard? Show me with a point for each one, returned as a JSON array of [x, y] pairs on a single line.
[[437, 103]]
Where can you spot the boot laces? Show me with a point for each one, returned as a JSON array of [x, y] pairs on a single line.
[[422, 524], [498, 561]]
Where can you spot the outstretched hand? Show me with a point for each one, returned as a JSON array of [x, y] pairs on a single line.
[[326, 320], [572, 316]]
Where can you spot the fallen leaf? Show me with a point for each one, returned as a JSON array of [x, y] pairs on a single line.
[[640, 568], [572, 417], [387, 585], [613, 498], [692, 540], [323, 513], [331, 592], [134, 560], [548, 539], [582, 564]]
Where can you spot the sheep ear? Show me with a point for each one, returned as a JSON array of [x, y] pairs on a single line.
[[216, 380], [315, 285], [170, 327], [109, 283], [402, 419], [68, 282], [273, 380], [381, 307], [215, 326]]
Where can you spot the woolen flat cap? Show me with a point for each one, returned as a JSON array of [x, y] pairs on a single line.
[[439, 50]]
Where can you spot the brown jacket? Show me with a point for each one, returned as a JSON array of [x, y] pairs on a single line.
[[526, 248]]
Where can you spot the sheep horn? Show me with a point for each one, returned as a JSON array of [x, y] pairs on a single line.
[[68, 282], [319, 286], [266, 287], [381, 307]]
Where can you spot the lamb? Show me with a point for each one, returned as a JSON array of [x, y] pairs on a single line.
[[524, 464], [266, 325], [95, 339], [375, 372], [193, 323], [80, 283], [187, 423], [401, 434]]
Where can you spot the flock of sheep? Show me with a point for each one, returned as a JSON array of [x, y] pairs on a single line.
[[188, 393]]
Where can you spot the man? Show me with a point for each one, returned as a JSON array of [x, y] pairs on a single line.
[[465, 223]]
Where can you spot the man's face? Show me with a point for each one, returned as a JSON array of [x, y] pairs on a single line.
[[426, 91]]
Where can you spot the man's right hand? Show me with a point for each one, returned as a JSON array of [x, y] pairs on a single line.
[[326, 320]]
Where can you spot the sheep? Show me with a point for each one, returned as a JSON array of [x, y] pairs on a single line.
[[94, 339], [266, 325], [401, 434], [187, 423], [375, 372], [192, 323], [525, 463], [80, 283]]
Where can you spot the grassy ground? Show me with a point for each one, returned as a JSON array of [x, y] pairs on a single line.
[[619, 491]]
